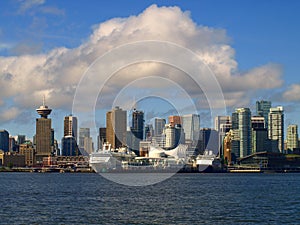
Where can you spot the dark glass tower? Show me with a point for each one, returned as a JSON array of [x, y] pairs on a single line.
[[137, 130]]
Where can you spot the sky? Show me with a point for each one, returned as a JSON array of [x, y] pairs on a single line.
[[48, 48]]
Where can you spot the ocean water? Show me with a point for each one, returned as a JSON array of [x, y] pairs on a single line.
[[53, 198]]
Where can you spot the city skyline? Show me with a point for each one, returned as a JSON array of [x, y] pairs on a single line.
[[261, 50]]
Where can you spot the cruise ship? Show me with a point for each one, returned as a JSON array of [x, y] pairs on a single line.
[[207, 162], [109, 160]]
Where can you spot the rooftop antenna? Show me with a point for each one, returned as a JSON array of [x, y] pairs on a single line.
[[43, 100]]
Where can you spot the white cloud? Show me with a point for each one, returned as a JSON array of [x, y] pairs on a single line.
[[28, 4], [24, 79], [292, 93]]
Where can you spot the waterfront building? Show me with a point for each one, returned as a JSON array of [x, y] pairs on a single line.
[[116, 123], [276, 127], [159, 125], [43, 135], [241, 124], [144, 148], [11, 159], [292, 137], [174, 120], [191, 126], [4, 140], [27, 149], [263, 109], [70, 126]]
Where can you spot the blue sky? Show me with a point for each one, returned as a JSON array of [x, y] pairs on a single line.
[[260, 34]]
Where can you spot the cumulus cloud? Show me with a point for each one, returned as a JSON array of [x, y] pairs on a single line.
[[56, 74]]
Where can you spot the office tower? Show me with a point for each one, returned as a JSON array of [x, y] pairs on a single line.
[[88, 145], [70, 126], [69, 146], [12, 144], [260, 141], [292, 137], [4, 140], [83, 133], [116, 123], [101, 137], [191, 126], [209, 140], [43, 133], [174, 120], [257, 122], [263, 109], [149, 132], [223, 126], [21, 139], [241, 123], [137, 130], [159, 125], [276, 127], [173, 136]]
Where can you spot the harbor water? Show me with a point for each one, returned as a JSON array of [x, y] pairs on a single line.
[[75, 198]]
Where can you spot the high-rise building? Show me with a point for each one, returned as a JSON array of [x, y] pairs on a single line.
[[70, 126], [4, 140], [292, 137], [260, 141], [12, 144], [173, 136], [137, 130], [159, 125], [223, 126], [241, 123], [21, 139], [101, 137], [27, 149], [263, 109], [149, 132], [174, 120], [191, 126], [69, 146], [116, 123], [209, 140], [83, 133], [257, 122], [43, 133], [276, 127]]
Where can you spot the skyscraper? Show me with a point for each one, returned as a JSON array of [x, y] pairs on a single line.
[[173, 136], [292, 137], [276, 127], [137, 130], [191, 126], [174, 120], [101, 137], [223, 126], [263, 109], [4, 140], [159, 125], [260, 141], [241, 122], [43, 133], [83, 133], [116, 122], [70, 126]]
